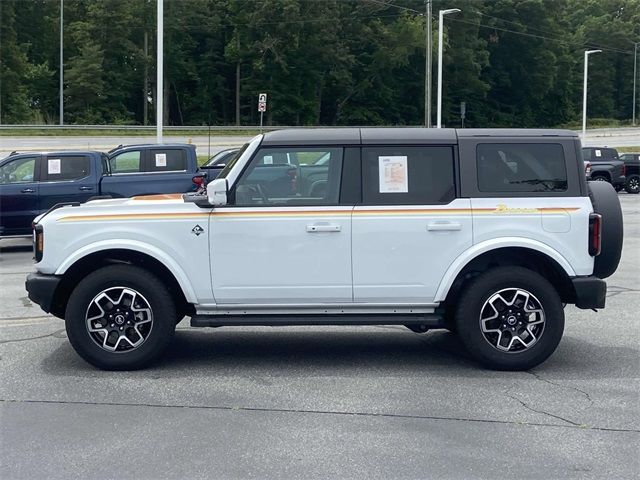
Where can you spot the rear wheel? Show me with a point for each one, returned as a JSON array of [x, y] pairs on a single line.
[[633, 184], [120, 317], [600, 178], [510, 318]]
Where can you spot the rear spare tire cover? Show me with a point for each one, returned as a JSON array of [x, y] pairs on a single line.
[[605, 202]]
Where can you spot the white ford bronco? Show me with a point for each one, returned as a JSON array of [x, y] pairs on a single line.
[[487, 233]]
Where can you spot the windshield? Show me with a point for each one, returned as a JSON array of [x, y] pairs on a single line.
[[221, 157], [248, 147], [227, 168]]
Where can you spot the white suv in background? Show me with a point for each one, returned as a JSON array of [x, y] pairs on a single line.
[[487, 233]]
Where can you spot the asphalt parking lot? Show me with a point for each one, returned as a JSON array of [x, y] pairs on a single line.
[[305, 402]]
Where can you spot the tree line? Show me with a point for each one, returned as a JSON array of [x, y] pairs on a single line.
[[514, 63]]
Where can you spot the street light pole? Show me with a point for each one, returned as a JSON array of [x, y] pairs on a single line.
[[584, 92], [159, 72], [635, 76], [441, 15], [428, 63], [61, 64]]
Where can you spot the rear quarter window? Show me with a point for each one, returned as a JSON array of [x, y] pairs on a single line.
[[521, 167]]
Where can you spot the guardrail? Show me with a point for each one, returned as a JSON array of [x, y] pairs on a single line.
[[150, 128]]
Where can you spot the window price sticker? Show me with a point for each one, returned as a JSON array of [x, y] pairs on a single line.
[[53, 166], [161, 159], [394, 176]]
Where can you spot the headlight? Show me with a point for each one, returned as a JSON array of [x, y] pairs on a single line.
[[38, 242]]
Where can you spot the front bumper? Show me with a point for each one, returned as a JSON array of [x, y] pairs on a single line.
[[620, 181], [591, 292], [42, 288]]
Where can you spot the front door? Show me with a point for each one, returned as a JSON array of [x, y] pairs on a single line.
[[18, 195], [284, 238], [410, 227]]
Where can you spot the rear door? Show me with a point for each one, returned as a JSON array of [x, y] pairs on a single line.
[[168, 166], [410, 226], [18, 195], [66, 178]]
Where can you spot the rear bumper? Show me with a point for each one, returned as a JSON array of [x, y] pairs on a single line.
[[591, 292], [42, 288]]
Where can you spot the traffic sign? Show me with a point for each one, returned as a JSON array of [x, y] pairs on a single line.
[[262, 106], [262, 98]]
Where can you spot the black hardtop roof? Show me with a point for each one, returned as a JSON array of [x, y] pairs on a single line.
[[398, 135]]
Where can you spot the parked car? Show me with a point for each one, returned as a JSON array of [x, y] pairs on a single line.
[[632, 165], [31, 183], [216, 163], [487, 233], [606, 166]]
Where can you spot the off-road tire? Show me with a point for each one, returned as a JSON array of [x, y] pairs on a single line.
[[633, 184], [156, 295], [483, 287], [600, 178], [606, 202]]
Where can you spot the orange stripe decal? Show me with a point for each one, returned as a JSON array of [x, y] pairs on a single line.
[[133, 216], [500, 210], [166, 196]]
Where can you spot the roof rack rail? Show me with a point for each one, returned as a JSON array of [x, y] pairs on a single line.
[[116, 148]]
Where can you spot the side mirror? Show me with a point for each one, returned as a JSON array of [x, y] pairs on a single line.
[[217, 192]]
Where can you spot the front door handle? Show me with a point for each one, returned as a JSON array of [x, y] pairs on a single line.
[[28, 190], [443, 226], [324, 227], [84, 189]]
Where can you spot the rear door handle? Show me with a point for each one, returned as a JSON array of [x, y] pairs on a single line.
[[28, 190], [84, 189], [443, 226], [324, 227]]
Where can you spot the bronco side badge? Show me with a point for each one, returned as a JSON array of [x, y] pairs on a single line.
[[197, 230]]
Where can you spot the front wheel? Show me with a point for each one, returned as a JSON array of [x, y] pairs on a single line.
[[633, 184], [510, 318], [120, 317]]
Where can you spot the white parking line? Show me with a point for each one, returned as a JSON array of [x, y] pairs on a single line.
[[25, 322]]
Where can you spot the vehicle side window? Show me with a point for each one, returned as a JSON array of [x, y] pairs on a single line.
[[65, 168], [106, 168], [289, 176], [521, 167], [167, 160], [126, 162], [407, 175], [20, 170]]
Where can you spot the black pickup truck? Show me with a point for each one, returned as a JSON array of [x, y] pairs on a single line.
[[606, 166], [31, 183], [632, 165]]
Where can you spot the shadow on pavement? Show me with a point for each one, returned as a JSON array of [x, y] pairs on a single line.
[[303, 352], [8, 245], [312, 351]]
